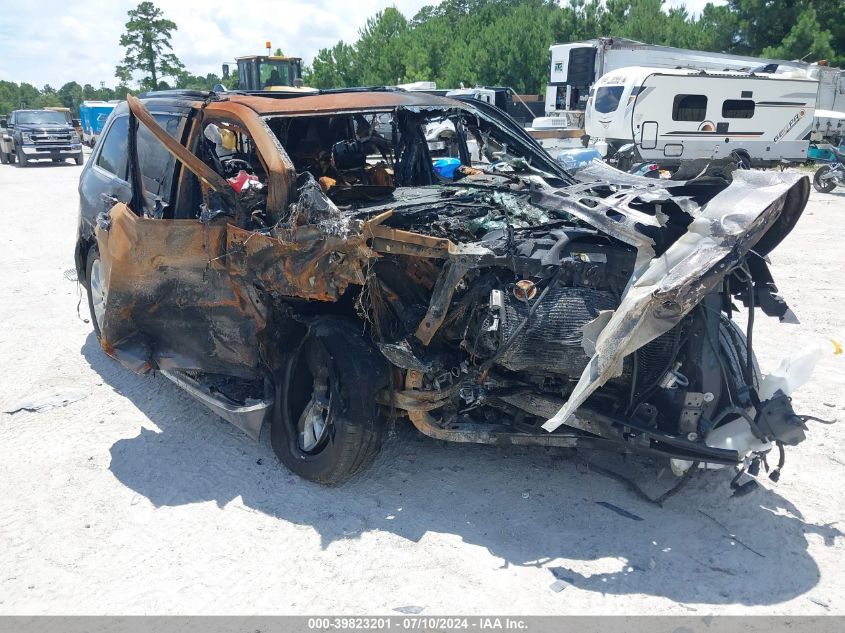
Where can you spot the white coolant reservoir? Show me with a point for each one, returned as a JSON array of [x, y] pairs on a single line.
[[794, 371], [736, 436]]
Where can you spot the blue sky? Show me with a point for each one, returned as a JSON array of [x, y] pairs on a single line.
[[55, 41]]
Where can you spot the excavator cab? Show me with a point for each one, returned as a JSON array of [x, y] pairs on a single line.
[[266, 72]]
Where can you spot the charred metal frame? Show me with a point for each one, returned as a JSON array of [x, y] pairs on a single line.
[[213, 285]]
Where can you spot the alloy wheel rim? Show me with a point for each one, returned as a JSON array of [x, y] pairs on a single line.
[[98, 293]]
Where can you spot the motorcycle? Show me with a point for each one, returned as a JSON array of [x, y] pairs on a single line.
[[831, 175]]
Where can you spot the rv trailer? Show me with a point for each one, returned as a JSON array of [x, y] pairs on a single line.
[[574, 68], [677, 115]]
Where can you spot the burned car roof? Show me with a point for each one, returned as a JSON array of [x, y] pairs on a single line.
[[344, 101], [326, 102]]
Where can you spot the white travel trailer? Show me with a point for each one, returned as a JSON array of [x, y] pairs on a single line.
[[575, 67], [674, 115]]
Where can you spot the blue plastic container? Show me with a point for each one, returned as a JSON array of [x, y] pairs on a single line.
[[446, 167], [577, 157]]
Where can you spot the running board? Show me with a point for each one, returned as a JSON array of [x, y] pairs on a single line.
[[248, 417]]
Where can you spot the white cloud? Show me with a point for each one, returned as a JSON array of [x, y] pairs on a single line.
[[85, 47]]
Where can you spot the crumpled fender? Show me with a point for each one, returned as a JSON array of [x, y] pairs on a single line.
[[666, 288]]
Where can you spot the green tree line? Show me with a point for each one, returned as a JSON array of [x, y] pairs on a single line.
[[505, 42], [14, 96]]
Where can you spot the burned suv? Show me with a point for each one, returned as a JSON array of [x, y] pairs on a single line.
[[304, 260]]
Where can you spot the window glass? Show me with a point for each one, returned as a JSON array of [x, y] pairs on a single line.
[[155, 162], [41, 117], [273, 74], [738, 109], [689, 108], [114, 148], [607, 98]]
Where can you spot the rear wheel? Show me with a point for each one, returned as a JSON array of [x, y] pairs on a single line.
[[78, 158], [824, 186], [326, 423], [4, 157]]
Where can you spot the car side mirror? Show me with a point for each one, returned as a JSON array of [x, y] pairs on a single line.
[[225, 71], [76, 122], [4, 123]]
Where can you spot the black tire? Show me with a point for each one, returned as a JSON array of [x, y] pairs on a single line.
[[78, 158], [23, 161], [334, 374], [734, 350], [4, 158], [93, 255], [823, 186], [743, 159], [11, 157]]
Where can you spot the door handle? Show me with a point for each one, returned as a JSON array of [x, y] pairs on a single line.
[[109, 199], [103, 221]]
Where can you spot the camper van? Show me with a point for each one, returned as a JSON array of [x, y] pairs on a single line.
[[674, 115]]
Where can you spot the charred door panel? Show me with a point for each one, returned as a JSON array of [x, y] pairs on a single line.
[[171, 303]]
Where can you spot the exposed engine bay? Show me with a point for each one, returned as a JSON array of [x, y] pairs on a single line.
[[508, 303]]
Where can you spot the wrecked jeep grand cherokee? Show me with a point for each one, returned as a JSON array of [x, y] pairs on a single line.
[[298, 259]]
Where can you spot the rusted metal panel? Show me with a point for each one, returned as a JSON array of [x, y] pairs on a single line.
[[171, 302], [343, 101], [302, 263]]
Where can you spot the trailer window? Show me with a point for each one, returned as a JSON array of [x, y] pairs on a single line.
[[689, 108], [607, 98], [738, 109]]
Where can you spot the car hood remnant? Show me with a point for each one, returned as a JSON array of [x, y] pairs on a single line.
[[512, 303]]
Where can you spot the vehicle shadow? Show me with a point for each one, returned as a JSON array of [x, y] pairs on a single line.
[[529, 507], [44, 164]]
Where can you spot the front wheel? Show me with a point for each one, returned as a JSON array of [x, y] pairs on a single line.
[[23, 161], [96, 287], [824, 186], [78, 158], [327, 425]]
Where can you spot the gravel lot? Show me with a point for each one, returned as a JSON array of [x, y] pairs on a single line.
[[133, 499]]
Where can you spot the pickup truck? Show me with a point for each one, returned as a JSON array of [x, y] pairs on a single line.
[[36, 134]]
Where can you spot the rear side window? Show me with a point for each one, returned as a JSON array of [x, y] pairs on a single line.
[[155, 162], [607, 98], [738, 109], [689, 108], [114, 149]]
